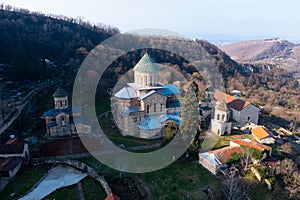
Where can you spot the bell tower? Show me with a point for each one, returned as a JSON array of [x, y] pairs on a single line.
[[220, 124], [60, 99]]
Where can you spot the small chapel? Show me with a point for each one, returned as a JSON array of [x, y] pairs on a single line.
[[64, 120], [145, 106]]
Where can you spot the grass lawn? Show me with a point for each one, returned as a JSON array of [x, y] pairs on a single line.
[[102, 105], [92, 189], [181, 180], [259, 191], [225, 140], [66, 193], [22, 182]]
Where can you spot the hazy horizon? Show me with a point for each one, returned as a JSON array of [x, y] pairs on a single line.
[[215, 21]]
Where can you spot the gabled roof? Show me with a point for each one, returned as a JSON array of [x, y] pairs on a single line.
[[8, 164], [12, 148], [220, 156], [251, 144], [146, 64], [150, 93], [261, 132], [231, 101], [126, 93], [147, 94], [59, 93]]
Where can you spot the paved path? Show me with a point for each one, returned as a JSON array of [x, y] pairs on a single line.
[[147, 190], [58, 177], [80, 192]]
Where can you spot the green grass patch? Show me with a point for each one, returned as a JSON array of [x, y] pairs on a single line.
[[66, 193], [259, 191], [180, 180], [102, 105], [22, 182], [92, 189]]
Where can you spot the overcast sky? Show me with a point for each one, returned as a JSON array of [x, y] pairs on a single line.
[[205, 19]]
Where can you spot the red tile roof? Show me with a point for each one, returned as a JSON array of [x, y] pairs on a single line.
[[12, 141], [233, 102], [8, 164], [261, 132], [224, 154], [112, 196], [252, 144], [17, 148], [67, 146]]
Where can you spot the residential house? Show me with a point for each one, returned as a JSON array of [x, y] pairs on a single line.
[[217, 159], [12, 154], [263, 135]]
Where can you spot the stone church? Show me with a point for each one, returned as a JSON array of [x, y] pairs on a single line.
[[145, 107], [60, 120]]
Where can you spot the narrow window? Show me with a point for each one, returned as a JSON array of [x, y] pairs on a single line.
[[249, 118], [148, 108], [223, 117], [161, 107], [218, 117], [154, 107]]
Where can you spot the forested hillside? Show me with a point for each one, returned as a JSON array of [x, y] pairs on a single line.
[[38, 47], [27, 39]]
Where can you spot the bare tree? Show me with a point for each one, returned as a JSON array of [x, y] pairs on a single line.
[[245, 158], [288, 174], [235, 188]]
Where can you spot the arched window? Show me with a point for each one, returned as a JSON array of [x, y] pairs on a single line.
[[223, 117], [218, 116], [161, 107], [148, 109]]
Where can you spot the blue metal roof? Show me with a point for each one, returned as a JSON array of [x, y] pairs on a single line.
[[69, 110], [170, 89], [156, 122], [150, 123]]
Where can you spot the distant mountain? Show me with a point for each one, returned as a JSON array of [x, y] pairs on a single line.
[[274, 51]]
